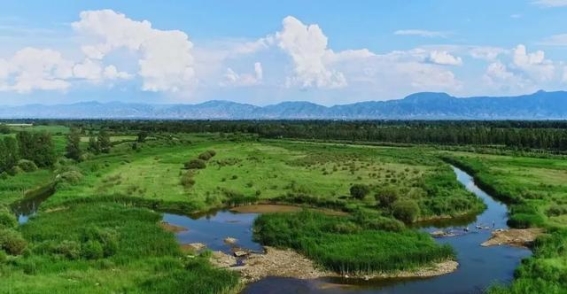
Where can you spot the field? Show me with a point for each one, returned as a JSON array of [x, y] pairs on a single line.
[[537, 191]]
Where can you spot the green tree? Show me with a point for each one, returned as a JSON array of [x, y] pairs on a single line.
[[44, 150], [406, 210], [94, 146], [104, 141], [26, 145], [142, 136], [359, 191], [73, 148]]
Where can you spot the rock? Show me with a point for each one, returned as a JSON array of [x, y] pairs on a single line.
[[438, 234], [240, 253], [230, 240], [197, 246]]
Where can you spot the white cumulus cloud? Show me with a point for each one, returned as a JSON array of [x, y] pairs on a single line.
[[533, 64], [444, 58], [307, 46], [166, 62], [232, 78]]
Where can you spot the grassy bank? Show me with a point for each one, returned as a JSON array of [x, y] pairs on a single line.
[[106, 248], [537, 192], [354, 245]]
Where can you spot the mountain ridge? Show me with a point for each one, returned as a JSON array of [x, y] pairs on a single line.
[[424, 105]]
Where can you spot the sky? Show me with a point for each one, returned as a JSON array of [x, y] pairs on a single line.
[[269, 51]]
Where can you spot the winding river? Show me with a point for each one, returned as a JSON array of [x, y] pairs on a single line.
[[479, 267]]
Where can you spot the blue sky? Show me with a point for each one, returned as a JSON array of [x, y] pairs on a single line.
[[265, 52]]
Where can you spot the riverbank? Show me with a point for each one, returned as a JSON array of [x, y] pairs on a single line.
[[513, 237], [290, 264]]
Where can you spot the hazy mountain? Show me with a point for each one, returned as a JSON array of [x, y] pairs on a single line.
[[540, 105]]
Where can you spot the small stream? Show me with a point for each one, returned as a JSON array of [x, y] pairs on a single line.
[[479, 267]]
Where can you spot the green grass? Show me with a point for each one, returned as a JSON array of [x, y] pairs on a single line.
[[318, 174], [145, 259], [14, 188], [350, 245]]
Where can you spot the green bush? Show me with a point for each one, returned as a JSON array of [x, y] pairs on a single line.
[[27, 165], [71, 177], [406, 211], [7, 219], [4, 175], [12, 242], [386, 197], [3, 256], [195, 164], [359, 191], [92, 250], [69, 249]]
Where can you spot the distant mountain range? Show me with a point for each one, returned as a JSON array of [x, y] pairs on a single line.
[[540, 105]]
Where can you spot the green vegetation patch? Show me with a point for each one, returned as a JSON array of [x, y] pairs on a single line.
[[354, 244], [105, 248]]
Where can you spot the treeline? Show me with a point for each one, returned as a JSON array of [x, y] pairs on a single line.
[[26, 149], [548, 135]]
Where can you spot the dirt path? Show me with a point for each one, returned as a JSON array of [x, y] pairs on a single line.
[[514, 237], [290, 264]]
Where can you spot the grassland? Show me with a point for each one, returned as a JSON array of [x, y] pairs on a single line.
[[536, 189], [106, 248], [309, 173]]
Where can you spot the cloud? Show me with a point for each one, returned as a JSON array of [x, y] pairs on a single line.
[[307, 46], [422, 33], [231, 78], [486, 53], [166, 62], [498, 76], [444, 58], [35, 69], [533, 64], [556, 40], [259, 71], [551, 3]]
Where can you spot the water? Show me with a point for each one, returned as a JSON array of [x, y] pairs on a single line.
[[212, 229], [479, 267], [27, 207]]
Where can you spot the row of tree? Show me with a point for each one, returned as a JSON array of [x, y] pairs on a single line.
[[37, 147], [549, 135]]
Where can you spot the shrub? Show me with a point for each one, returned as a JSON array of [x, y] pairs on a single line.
[[92, 250], [12, 242], [7, 219], [187, 181], [69, 249], [27, 165], [205, 156], [15, 170], [359, 191], [406, 211], [195, 164], [72, 177], [4, 176], [386, 197], [212, 152], [3, 256]]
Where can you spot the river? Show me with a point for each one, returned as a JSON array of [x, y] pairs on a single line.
[[479, 267]]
